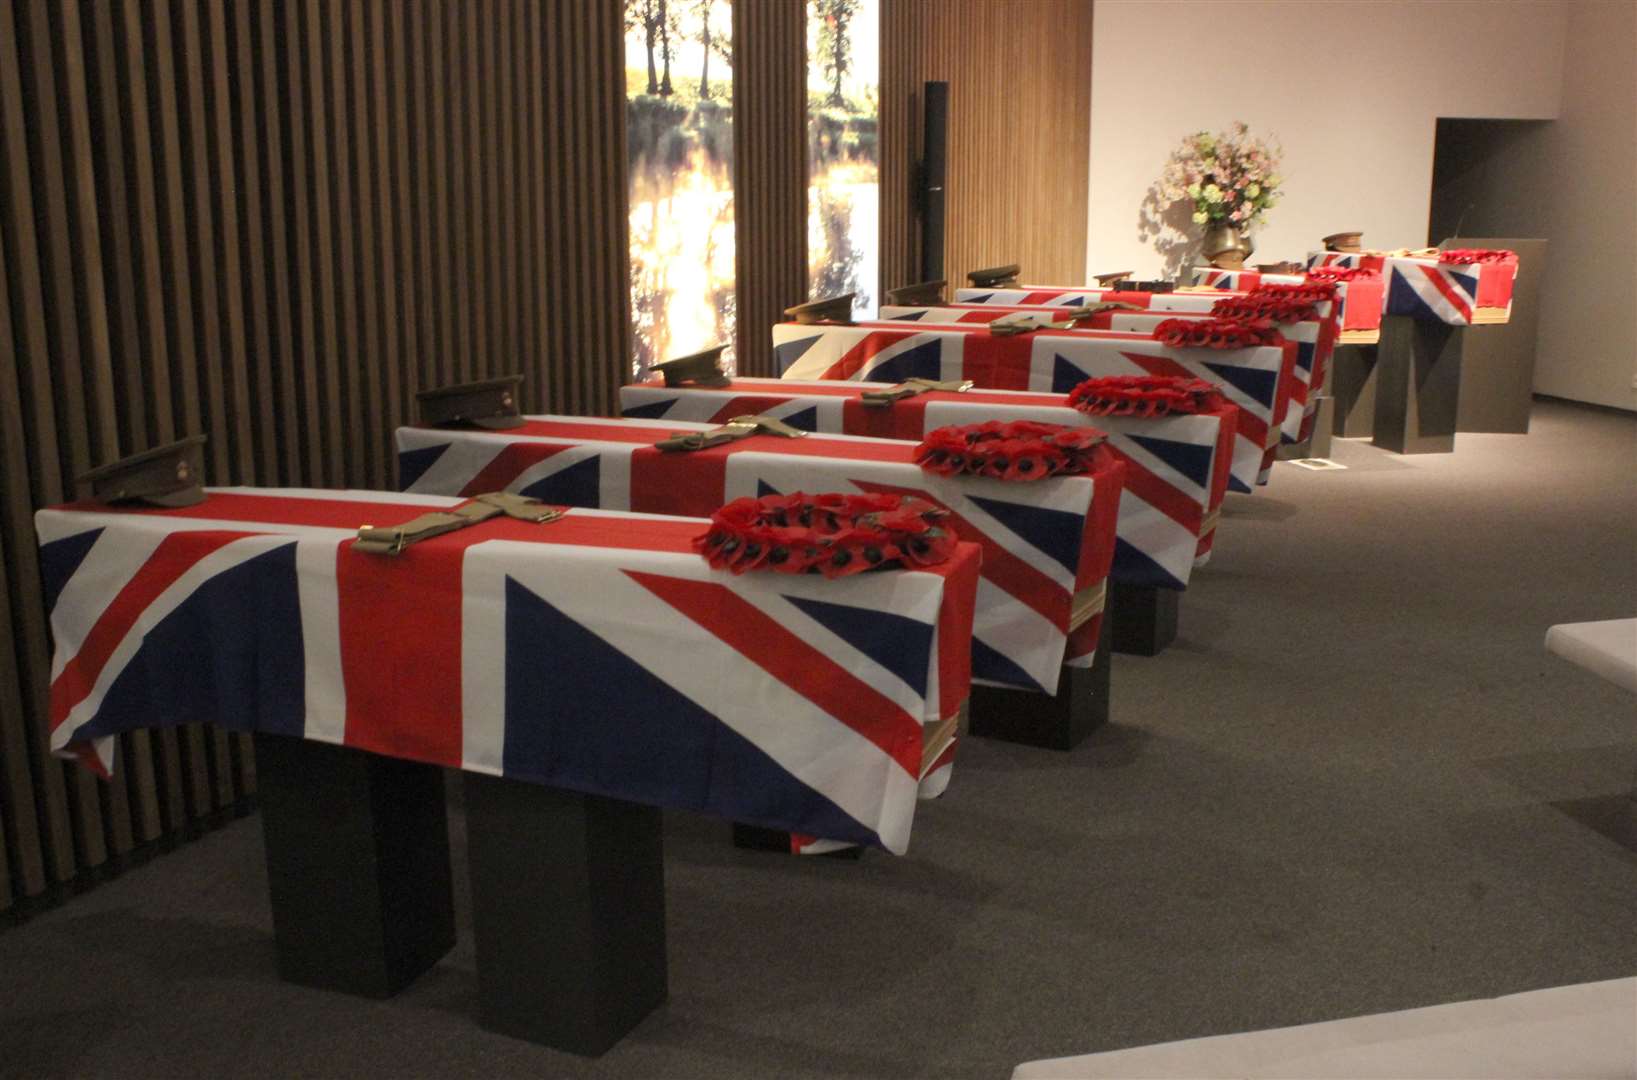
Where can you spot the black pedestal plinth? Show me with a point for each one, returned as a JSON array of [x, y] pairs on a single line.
[[756, 838], [1145, 619], [568, 909], [1059, 722], [357, 865], [1418, 385], [1353, 385]]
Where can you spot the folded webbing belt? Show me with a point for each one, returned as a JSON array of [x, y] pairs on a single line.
[[740, 427], [1207, 524], [1088, 311], [391, 539], [911, 387], [1087, 602], [1024, 322]]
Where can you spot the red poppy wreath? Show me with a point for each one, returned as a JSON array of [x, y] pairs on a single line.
[[832, 534], [1020, 450], [1215, 333], [1142, 395]]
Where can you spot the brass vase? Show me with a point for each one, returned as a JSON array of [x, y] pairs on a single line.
[[1224, 246]]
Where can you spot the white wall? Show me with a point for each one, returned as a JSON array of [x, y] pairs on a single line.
[[1574, 181], [1352, 90]]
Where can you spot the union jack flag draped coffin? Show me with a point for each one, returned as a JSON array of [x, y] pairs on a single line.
[[1315, 338], [1256, 380], [1461, 294], [1350, 260], [1047, 545], [1301, 343], [598, 653], [1176, 467], [1358, 303]]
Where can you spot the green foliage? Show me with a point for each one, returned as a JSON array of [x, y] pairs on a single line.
[[834, 42]]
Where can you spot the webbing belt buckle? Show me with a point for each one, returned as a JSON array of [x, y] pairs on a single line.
[[1018, 323], [910, 387], [392, 539], [369, 535]]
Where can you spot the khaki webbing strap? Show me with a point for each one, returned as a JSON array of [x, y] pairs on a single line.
[[1088, 602], [1207, 524], [936, 737], [1088, 310], [1022, 322], [740, 427], [911, 387], [392, 539]]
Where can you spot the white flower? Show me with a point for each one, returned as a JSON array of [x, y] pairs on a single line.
[[1274, 180], [1193, 191], [1200, 217], [1212, 193], [1253, 190]]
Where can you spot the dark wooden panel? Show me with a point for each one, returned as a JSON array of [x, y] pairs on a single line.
[[272, 221], [1011, 194]]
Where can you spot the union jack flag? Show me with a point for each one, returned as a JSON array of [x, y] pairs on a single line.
[[1350, 260], [1047, 545], [1302, 340], [1315, 339], [1257, 380], [1176, 467], [1242, 280], [1460, 294], [1358, 303], [598, 653]]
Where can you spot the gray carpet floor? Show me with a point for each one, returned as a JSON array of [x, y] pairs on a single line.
[[1356, 784]]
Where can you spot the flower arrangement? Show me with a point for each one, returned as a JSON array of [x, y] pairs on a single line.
[[1020, 450], [1215, 333], [1143, 395], [833, 534], [1231, 177]]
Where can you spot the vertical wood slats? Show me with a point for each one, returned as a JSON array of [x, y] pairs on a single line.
[[770, 171], [273, 221], [1019, 74]]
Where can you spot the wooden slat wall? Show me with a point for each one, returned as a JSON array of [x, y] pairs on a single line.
[[273, 221], [770, 170], [1019, 74]]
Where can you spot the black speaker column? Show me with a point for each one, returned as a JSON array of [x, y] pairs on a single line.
[[934, 153]]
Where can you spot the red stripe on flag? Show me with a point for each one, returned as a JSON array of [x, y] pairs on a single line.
[[1246, 423], [175, 556], [505, 467], [687, 483], [1448, 291], [960, 574], [276, 509], [748, 406], [401, 641], [1161, 495], [1000, 567], [871, 345], [1223, 463], [901, 420], [590, 428], [778, 651], [997, 363]]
